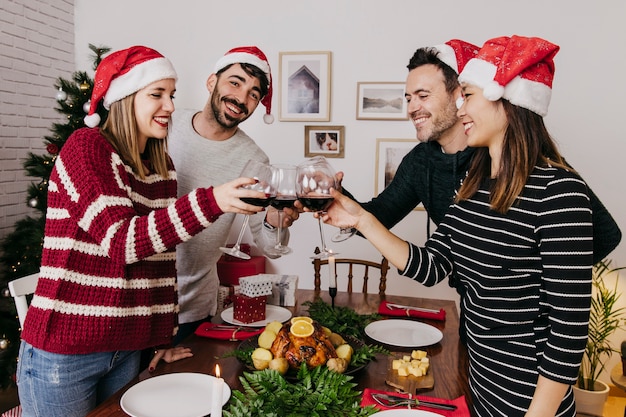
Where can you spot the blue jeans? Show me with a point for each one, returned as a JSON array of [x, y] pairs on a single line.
[[54, 385]]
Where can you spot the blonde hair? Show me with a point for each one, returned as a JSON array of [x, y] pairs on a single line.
[[120, 129]]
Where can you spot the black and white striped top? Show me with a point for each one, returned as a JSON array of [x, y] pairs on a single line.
[[526, 282]]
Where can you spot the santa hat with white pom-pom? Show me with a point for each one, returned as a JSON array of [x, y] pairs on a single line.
[[518, 69], [253, 56], [123, 73], [456, 53]]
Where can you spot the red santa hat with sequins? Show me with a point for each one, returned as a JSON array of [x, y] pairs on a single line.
[[456, 53], [123, 73], [518, 69], [253, 56]]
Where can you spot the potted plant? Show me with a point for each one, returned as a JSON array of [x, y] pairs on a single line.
[[605, 317]]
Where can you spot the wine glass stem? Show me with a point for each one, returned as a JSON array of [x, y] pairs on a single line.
[[280, 230], [319, 222], [242, 231]]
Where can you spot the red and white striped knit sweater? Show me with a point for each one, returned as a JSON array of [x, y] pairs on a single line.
[[108, 273]]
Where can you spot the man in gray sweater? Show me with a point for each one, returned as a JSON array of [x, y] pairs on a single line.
[[209, 148]]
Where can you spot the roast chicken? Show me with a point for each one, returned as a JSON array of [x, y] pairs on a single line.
[[314, 350]]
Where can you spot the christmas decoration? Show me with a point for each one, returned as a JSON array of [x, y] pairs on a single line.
[[61, 95], [20, 251]]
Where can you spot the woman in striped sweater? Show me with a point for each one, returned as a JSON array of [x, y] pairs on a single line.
[[107, 285], [518, 237]]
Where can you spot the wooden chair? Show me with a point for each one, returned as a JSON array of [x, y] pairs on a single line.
[[19, 289], [365, 265]]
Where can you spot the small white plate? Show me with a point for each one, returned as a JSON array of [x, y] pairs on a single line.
[[404, 333], [406, 413], [272, 313], [184, 394]]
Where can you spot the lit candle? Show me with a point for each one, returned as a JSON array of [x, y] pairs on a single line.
[[332, 273], [216, 397]]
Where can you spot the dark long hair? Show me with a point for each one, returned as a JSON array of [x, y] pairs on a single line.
[[527, 144]]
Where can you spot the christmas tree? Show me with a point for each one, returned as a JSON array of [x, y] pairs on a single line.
[[21, 249]]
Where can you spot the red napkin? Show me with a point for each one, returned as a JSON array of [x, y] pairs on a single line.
[[386, 311], [462, 410], [207, 330]]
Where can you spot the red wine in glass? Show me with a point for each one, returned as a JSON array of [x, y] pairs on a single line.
[[284, 183], [315, 178], [261, 202], [262, 172], [282, 202], [316, 203]]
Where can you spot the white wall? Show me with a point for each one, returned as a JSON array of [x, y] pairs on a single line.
[[33, 55], [373, 41]]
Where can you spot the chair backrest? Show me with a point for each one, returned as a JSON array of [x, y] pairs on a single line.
[[19, 289], [351, 266]]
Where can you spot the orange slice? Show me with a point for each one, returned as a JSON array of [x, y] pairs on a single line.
[[302, 328], [305, 318]]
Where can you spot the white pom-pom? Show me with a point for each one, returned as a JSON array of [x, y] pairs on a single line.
[[268, 118], [493, 91], [92, 120], [459, 102]]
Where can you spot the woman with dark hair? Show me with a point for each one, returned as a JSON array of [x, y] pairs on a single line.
[[518, 238]]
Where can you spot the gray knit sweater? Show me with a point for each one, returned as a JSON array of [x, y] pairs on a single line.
[[208, 162]]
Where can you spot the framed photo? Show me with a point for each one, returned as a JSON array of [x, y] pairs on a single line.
[[389, 154], [304, 86], [327, 141], [381, 101]]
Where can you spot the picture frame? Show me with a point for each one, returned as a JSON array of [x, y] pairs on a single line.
[[304, 79], [389, 154], [327, 141], [381, 101]]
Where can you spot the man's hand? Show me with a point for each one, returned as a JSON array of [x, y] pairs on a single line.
[[169, 355]]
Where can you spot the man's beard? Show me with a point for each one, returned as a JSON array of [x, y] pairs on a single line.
[[222, 118], [441, 125]]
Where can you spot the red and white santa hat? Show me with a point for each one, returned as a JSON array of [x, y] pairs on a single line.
[[456, 53], [518, 69], [253, 56], [123, 73]]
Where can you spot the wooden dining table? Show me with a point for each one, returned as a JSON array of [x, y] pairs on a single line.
[[448, 358]]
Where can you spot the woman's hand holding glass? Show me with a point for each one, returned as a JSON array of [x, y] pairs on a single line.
[[228, 196], [264, 193], [343, 212]]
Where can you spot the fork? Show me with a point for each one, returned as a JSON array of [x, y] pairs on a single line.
[[392, 306], [393, 403]]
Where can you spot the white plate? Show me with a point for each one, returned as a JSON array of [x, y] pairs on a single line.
[[406, 413], [272, 313], [405, 333], [182, 394]]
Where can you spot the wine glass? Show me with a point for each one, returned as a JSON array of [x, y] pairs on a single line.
[[263, 174], [284, 180], [344, 233], [315, 179]]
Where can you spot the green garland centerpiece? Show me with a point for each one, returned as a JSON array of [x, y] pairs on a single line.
[[339, 319], [317, 392]]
